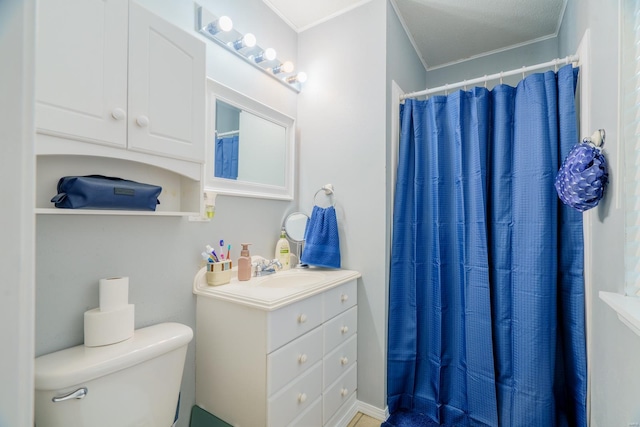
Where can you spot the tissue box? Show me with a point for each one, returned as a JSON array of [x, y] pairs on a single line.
[[219, 273]]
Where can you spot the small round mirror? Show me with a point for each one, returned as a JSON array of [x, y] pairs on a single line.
[[294, 226]]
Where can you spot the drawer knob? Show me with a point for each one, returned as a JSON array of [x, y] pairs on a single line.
[[344, 392], [118, 113], [302, 318], [344, 360], [344, 329], [302, 358], [142, 121], [302, 397], [344, 297]]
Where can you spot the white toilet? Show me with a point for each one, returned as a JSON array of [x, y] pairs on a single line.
[[132, 383]]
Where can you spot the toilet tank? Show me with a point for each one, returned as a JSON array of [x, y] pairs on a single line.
[[132, 383]]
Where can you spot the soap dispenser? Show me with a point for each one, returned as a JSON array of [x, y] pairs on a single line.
[[283, 253], [244, 263]]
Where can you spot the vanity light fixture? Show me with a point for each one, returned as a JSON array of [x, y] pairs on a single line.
[[248, 40], [221, 30]]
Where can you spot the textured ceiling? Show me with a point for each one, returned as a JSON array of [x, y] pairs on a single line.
[[444, 32]]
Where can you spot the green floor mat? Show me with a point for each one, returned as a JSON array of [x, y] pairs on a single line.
[[201, 418]]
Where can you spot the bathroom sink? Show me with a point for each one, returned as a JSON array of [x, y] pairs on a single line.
[[291, 279]]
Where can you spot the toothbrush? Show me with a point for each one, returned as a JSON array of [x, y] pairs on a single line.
[[213, 253], [221, 249], [228, 250]]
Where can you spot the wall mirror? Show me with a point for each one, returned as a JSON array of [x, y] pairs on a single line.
[[250, 146]]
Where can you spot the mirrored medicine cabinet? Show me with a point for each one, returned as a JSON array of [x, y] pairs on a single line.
[[250, 146]]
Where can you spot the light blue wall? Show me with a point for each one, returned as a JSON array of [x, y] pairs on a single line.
[[614, 349], [507, 60], [341, 119]]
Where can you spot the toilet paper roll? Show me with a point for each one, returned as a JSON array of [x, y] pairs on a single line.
[[113, 293], [108, 327]]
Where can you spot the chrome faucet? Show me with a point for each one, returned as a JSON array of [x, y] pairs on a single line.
[[265, 267]]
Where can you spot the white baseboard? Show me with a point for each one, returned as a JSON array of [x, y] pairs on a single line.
[[372, 411]]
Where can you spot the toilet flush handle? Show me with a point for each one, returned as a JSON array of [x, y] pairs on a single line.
[[78, 394]]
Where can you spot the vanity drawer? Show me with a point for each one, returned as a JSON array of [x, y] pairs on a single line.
[[311, 417], [286, 363], [291, 401], [340, 329], [339, 361], [293, 320], [339, 392], [339, 299]]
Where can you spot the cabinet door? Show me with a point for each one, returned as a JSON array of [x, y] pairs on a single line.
[[166, 88], [81, 72]]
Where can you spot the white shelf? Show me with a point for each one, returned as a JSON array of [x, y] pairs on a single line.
[[56, 211], [627, 308]]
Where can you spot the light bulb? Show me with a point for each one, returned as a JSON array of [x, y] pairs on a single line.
[[301, 77], [224, 23], [248, 40], [285, 67], [269, 54]]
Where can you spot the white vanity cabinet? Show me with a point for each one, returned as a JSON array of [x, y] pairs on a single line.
[[271, 363], [111, 73]]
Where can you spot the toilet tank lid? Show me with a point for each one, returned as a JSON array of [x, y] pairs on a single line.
[[73, 366]]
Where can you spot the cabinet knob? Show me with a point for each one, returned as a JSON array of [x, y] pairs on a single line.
[[142, 121], [344, 392], [302, 318], [302, 358], [344, 297], [118, 113], [344, 329], [344, 360], [302, 397]]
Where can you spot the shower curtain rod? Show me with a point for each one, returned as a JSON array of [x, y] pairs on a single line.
[[223, 134], [500, 75]]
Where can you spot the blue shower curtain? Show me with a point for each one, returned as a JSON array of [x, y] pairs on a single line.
[[486, 304]]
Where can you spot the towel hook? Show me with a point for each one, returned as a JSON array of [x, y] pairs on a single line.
[[597, 138], [328, 191]]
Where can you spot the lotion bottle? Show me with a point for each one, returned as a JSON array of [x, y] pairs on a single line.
[[283, 254], [244, 263]]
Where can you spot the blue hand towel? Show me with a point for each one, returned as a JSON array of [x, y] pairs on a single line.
[[322, 245]]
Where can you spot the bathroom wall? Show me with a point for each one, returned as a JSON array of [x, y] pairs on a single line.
[[16, 217], [614, 348], [343, 122], [161, 255]]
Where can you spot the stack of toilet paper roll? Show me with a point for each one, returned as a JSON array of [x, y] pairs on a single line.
[[113, 321]]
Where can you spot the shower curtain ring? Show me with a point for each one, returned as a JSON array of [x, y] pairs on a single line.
[[523, 71], [485, 81], [501, 77]]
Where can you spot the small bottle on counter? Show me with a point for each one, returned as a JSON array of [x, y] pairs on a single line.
[[283, 253], [244, 263]]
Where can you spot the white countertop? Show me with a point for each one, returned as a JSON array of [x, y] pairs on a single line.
[[255, 293]]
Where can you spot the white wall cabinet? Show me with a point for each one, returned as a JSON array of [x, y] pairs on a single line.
[[112, 73], [115, 81], [293, 366]]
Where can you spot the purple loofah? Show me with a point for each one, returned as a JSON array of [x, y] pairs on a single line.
[[583, 177]]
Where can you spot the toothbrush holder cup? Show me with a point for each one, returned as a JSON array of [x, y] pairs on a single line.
[[219, 273]]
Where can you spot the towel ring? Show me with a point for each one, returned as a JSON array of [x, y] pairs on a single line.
[[328, 191]]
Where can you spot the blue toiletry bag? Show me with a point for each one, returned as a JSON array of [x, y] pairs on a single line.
[[103, 192]]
